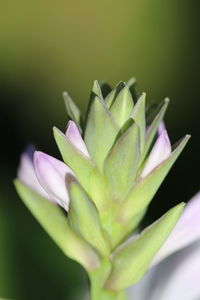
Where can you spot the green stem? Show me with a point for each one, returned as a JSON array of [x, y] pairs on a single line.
[[97, 279]]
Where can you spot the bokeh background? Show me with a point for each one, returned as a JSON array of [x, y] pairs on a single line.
[[47, 47]]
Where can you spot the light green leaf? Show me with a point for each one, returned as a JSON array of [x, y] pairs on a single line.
[[143, 191], [138, 116], [55, 223], [154, 127], [72, 109], [132, 261], [122, 106], [110, 98], [86, 172], [100, 133], [121, 164], [84, 218]]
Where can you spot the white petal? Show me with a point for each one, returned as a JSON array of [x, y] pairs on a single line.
[[178, 276], [161, 151], [73, 134], [51, 174], [27, 176], [186, 231]]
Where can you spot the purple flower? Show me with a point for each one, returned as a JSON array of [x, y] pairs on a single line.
[[51, 174], [160, 151], [45, 174], [26, 173], [73, 134]]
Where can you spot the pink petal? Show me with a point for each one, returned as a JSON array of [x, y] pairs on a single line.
[[161, 151], [51, 174], [27, 176], [161, 128], [73, 134], [186, 231]]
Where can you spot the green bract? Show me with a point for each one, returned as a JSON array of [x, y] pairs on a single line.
[[57, 226], [115, 160]]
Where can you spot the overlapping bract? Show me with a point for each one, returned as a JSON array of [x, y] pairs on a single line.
[[114, 162]]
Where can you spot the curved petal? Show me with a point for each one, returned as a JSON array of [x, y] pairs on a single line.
[[160, 151], [178, 276], [26, 173], [73, 134], [186, 231], [51, 174]]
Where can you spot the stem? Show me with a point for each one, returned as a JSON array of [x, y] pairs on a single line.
[[97, 279]]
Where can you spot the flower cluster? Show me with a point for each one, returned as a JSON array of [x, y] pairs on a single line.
[[114, 162]]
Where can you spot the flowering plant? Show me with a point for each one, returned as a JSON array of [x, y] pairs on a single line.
[[114, 162]]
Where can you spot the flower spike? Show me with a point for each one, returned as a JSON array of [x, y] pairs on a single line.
[[111, 171]]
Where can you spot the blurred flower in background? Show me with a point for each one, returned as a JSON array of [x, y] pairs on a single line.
[[175, 270], [48, 47]]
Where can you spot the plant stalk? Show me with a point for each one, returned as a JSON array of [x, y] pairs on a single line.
[[97, 280]]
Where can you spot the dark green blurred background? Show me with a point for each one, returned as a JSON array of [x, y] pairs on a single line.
[[50, 46]]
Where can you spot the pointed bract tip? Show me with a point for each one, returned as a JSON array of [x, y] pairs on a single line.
[[56, 130], [178, 208], [37, 153], [131, 81], [65, 94], [70, 124], [160, 152], [74, 136], [183, 141], [167, 100], [188, 136], [40, 155], [181, 204]]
